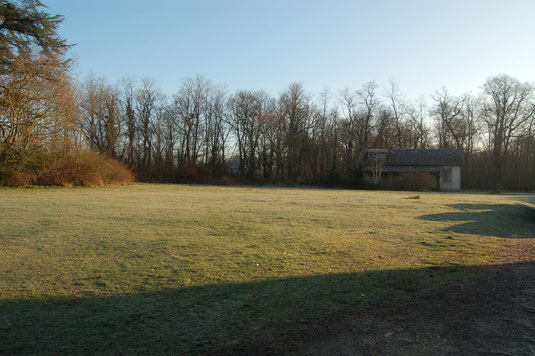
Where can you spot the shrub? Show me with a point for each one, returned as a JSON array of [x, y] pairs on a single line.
[[63, 168]]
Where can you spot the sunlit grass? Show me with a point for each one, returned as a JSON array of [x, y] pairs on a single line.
[[188, 242]]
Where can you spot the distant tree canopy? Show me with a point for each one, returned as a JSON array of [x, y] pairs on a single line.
[[296, 137], [24, 27]]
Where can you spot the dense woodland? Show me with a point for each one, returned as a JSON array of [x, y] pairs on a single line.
[[300, 138], [296, 137]]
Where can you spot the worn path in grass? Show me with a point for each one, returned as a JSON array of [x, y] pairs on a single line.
[[199, 269]]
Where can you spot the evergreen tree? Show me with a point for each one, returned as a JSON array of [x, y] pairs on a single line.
[[23, 27]]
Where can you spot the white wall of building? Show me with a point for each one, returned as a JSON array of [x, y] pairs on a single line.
[[454, 183]]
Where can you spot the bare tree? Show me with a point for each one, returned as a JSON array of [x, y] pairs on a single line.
[[128, 89], [385, 129], [36, 103], [146, 100], [377, 163], [398, 109], [217, 130], [249, 123], [101, 115], [449, 113], [190, 106], [369, 103], [507, 107], [294, 111], [420, 132], [348, 102]]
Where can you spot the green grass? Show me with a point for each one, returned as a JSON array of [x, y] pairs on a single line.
[[165, 268]]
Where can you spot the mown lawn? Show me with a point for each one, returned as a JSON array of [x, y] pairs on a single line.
[[203, 269]]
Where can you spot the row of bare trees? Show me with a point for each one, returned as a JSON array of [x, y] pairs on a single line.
[[292, 138], [203, 129]]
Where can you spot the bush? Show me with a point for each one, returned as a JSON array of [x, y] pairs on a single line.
[[62, 168]]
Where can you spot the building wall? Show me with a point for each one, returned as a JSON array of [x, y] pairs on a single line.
[[421, 181], [448, 181], [454, 183]]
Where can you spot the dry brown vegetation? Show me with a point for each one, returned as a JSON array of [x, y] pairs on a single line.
[[73, 168]]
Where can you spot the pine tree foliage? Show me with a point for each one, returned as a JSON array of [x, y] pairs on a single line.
[[24, 26]]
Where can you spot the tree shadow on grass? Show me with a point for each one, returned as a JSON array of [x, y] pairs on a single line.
[[499, 220], [262, 317]]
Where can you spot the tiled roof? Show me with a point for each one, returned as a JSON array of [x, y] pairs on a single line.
[[437, 157]]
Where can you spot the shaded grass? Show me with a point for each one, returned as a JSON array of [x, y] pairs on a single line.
[[224, 318], [211, 269], [486, 219]]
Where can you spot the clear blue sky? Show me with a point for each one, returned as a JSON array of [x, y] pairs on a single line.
[[263, 44]]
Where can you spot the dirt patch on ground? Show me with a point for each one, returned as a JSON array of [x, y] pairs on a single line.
[[493, 315]]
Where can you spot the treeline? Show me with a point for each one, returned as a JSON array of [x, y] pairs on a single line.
[[206, 133], [203, 131], [56, 130]]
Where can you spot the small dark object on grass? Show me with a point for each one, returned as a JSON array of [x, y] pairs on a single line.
[[413, 197]]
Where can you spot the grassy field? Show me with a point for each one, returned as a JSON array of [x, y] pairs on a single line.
[[202, 269]]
